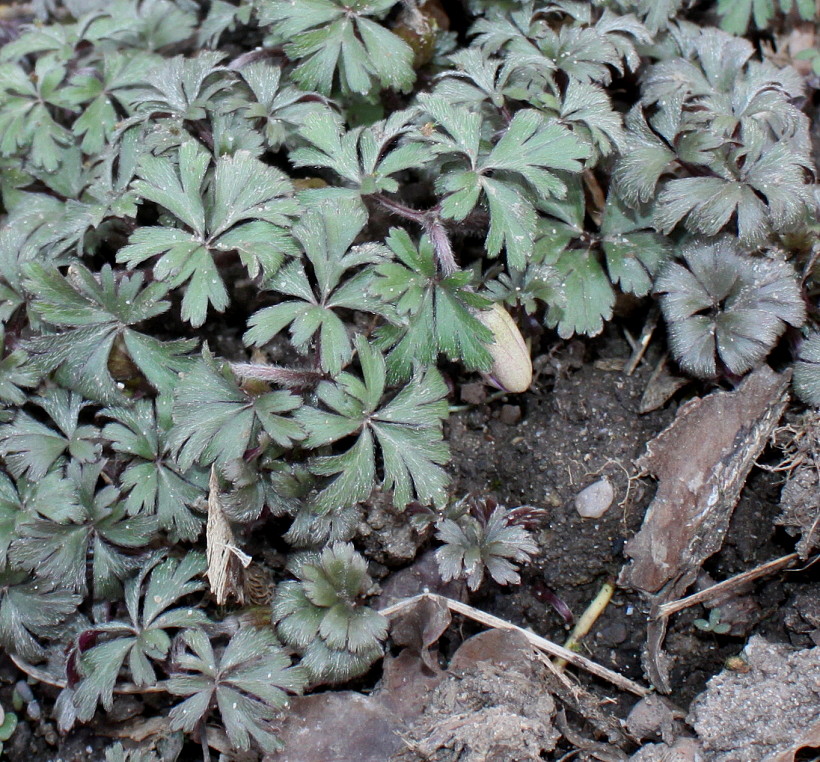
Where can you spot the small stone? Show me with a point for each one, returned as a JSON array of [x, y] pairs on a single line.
[[593, 502], [510, 414]]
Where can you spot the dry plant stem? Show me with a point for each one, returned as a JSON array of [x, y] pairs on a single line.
[[643, 343], [667, 609], [432, 225], [587, 620], [553, 649], [49, 679], [287, 377]]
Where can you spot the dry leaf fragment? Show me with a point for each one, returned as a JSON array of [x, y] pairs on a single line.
[[225, 560]]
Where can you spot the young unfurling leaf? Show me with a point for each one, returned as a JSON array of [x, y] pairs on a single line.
[[322, 616]]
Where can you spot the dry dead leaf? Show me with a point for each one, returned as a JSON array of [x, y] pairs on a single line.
[[225, 560]]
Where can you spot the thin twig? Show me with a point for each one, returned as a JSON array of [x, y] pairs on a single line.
[[553, 649], [49, 679], [639, 349], [667, 609]]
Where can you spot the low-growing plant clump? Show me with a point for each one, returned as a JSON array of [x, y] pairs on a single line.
[[356, 195]]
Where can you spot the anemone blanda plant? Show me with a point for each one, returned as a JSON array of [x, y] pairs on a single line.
[[241, 239]]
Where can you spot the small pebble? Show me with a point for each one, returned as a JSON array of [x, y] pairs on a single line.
[[510, 414], [593, 502]]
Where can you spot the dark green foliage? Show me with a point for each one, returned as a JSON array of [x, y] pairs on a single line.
[[96, 316], [31, 608], [433, 314], [216, 420], [32, 448], [238, 237], [326, 233], [407, 430], [247, 210], [248, 682], [339, 42], [321, 615], [154, 483], [143, 638]]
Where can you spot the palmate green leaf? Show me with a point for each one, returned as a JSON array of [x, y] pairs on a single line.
[[321, 617], [365, 157], [32, 448], [184, 88], [216, 420], [724, 310], [249, 683], [586, 296], [28, 609], [326, 233], [646, 156], [221, 17], [96, 315], [407, 430], [145, 638], [586, 108], [519, 169], [634, 252], [583, 44], [15, 375], [769, 194], [336, 41], [53, 498], [148, 25], [279, 110], [102, 93], [246, 208], [57, 551], [154, 484], [27, 122], [433, 314]]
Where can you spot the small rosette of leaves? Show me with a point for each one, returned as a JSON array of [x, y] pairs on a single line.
[[479, 536], [322, 615], [724, 311], [248, 683]]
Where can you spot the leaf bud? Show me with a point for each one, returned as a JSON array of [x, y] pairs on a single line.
[[512, 367]]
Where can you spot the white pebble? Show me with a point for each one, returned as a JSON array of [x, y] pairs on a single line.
[[593, 502]]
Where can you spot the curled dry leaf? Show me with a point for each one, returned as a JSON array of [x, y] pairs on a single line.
[[225, 560]]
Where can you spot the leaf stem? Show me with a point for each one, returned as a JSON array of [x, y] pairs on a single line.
[[431, 223]]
